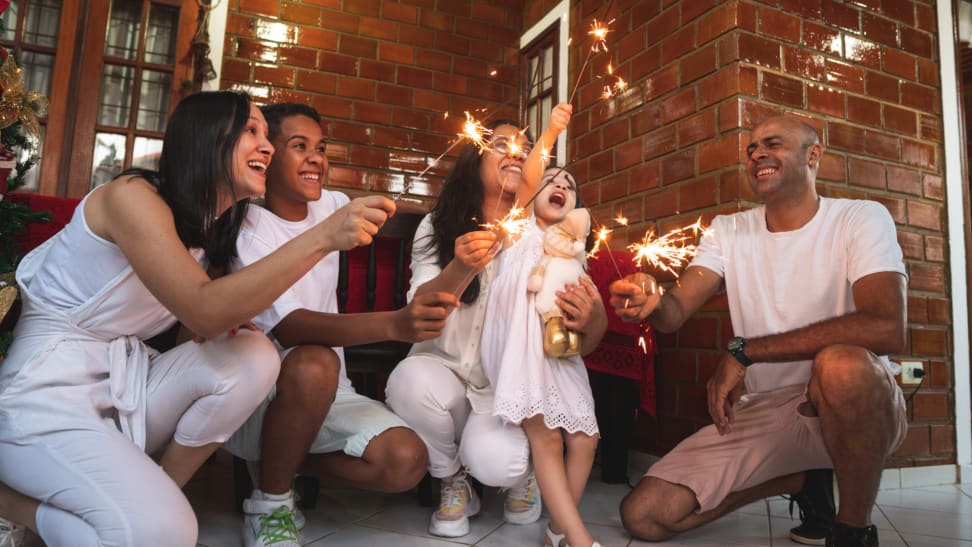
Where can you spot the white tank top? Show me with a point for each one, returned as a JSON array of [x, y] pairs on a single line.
[[78, 265]]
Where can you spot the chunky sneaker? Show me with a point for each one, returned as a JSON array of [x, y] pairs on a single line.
[[842, 535], [816, 503], [11, 535], [267, 523], [523, 502], [457, 502]]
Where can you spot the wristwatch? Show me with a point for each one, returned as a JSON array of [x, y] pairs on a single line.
[[736, 346]]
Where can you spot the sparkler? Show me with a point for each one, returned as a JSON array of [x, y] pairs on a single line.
[[671, 251], [472, 130], [602, 237], [508, 227], [618, 86], [599, 32]]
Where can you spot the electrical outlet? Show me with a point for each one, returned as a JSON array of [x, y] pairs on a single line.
[[912, 372]]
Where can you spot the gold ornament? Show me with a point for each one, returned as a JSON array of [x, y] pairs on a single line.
[[18, 105]]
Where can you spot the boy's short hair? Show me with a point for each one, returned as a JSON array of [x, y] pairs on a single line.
[[276, 113]]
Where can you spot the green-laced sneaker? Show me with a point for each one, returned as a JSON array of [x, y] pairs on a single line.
[[269, 523]]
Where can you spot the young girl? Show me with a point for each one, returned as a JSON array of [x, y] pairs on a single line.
[[83, 402], [549, 396]]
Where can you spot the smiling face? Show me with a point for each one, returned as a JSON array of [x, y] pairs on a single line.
[[299, 163], [251, 157], [501, 168], [557, 197], [782, 159]]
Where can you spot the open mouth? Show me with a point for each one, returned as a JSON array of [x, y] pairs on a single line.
[[258, 166], [765, 171], [310, 177], [558, 199]]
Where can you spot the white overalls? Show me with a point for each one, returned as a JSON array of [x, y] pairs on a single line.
[[83, 401]]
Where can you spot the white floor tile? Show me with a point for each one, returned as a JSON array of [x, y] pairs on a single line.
[[935, 516], [949, 499], [914, 540], [931, 523], [362, 536]]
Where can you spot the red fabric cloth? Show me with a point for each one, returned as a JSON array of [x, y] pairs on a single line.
[[619, 352], [386, 259], [36, 233]]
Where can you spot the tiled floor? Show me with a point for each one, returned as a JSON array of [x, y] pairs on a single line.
[[915, 517]]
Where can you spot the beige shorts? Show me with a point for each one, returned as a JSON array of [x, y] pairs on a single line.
[[770, 438]]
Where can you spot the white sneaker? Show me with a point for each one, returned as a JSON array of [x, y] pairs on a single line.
[[267, 523], [11, 535], [522, 504], [299, 519], [457, 502]]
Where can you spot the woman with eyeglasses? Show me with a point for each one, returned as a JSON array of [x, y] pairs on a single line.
[[441, 389]]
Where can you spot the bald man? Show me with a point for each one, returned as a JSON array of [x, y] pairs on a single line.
[[816, 289]]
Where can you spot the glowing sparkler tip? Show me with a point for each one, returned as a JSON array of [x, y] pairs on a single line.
[[621, 220]]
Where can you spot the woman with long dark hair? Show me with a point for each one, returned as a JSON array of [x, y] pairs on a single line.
[[83, 402], [441, 389]]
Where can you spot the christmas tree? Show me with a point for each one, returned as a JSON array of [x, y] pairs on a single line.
[[19, 109]]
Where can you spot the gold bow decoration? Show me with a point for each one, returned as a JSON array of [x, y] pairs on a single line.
[[16, 104]]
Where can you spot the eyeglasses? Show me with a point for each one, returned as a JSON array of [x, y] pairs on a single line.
[[508, 147]]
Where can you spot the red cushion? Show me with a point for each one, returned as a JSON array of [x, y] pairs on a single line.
[[36, 233], [620, 352], [386, 257]]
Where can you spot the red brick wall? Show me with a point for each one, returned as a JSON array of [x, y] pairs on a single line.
[[668, 150], [382, 73]]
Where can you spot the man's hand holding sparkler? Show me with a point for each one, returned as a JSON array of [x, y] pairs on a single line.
[[635, 296]]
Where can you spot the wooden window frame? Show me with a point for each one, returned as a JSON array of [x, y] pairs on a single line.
[[547, 38]]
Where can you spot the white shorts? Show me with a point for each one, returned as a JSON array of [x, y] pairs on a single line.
[[770, 438], [349, 426]]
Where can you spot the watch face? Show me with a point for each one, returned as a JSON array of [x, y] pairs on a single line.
[[735, 343]]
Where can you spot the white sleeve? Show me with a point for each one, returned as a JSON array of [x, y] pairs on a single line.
[[871, 242], [251, 247], [425, 256], [709, 254]]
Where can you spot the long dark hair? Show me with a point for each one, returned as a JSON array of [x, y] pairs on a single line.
[[459, 208], [195, 164]]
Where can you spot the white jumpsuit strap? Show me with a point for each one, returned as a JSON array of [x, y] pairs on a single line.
[[127, 379]]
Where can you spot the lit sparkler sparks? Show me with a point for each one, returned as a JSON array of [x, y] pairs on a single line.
[[599, 32], [671, 251], [617, 87], [511, 225], [507, 228], [475, 132]]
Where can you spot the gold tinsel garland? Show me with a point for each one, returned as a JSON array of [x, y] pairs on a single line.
[[17, 104]]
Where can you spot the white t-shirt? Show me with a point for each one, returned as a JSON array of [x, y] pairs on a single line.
[[458, 345], [780, 281], [262, 233]]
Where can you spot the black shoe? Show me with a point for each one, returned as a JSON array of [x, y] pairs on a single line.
[[842, 535], [816, 503]]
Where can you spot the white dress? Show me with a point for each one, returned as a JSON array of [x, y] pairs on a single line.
[[526, 381]]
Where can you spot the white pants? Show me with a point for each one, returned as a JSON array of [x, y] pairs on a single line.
[[432, 401], [99, 488]]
